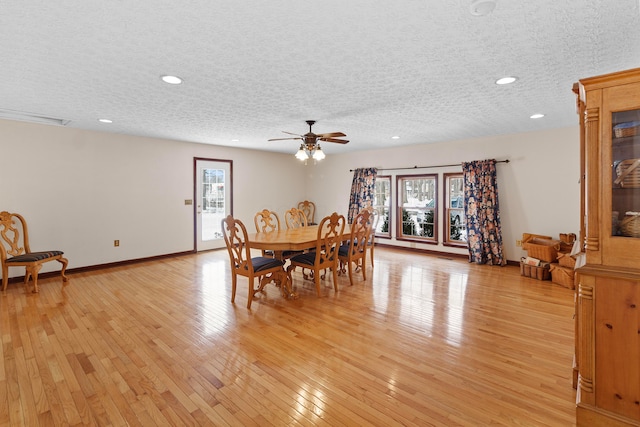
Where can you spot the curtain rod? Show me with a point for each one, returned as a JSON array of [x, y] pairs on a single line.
[[426, 167]]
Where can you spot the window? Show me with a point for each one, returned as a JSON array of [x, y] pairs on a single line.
[[213, 192], [382, 204], [417, 219], [456, 230]]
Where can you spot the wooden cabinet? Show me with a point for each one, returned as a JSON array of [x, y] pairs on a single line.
[[608, 282]]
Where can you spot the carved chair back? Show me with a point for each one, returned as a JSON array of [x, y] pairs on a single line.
[[309, 209], [266, 221], [295, 218]]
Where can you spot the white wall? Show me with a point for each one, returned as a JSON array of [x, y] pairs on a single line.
[[81, 190], [539, 190]]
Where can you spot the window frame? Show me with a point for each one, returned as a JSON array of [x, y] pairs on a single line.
[[400, 179], [381, 207], [447, 240]]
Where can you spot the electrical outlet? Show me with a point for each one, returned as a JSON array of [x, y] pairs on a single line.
[[519, 243], [116, 243]]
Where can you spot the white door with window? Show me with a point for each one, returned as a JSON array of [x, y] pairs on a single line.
[[212, 200]]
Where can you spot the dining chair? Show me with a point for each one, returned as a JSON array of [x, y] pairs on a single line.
[[325, 254], [309, 209], [295, 218], [355, 251], [266, 269], [371, 238], [267, 221], [16, 252]]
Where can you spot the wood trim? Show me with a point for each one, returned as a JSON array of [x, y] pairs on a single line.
[[608, 80], [195, 195], [398, 209], [586, 348], [437, 253], [424, 251], [588, 416], [592, 124]]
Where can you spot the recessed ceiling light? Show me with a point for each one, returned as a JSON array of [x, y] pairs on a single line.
[[105, 121], [395, 137], [482, 7], [235, 140], [172, 80], [506, 80], [536, 116]]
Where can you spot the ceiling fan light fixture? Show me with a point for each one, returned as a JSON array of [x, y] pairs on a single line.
[[310, 147], [302, 154], [318, 154]]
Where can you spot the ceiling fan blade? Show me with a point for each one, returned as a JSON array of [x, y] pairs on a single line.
[[282, 139], [291, 133], [339, 141], [330, 135]]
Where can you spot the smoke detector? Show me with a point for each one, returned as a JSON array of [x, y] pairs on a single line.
[[482, 7]]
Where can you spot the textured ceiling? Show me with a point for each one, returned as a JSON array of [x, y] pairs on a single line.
[[420, 69]]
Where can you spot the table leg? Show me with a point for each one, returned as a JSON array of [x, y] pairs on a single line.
[[286, 285], [282, 280]]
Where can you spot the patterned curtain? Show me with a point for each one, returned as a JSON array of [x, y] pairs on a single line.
[[482, 212], [362, 191]]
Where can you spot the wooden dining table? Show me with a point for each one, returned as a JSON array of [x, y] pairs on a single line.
[[293, 239]]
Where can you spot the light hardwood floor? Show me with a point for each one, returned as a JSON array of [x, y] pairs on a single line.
[[424, 341]]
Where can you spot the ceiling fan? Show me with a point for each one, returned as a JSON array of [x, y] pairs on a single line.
[[310, 146]]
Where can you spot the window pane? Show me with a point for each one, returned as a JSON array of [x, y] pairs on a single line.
[[455, 192], [382, 204], [418, 192], [418, 207], [456, 231], [213, 203]]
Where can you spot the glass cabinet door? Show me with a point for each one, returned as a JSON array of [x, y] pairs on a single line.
[[625, 156]]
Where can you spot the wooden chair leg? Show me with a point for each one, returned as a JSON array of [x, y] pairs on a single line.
[[250, 292], [234, 280], [335, 277], [5, 277], [27, 276], [64, 263], [350, 273], [32, 271]]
